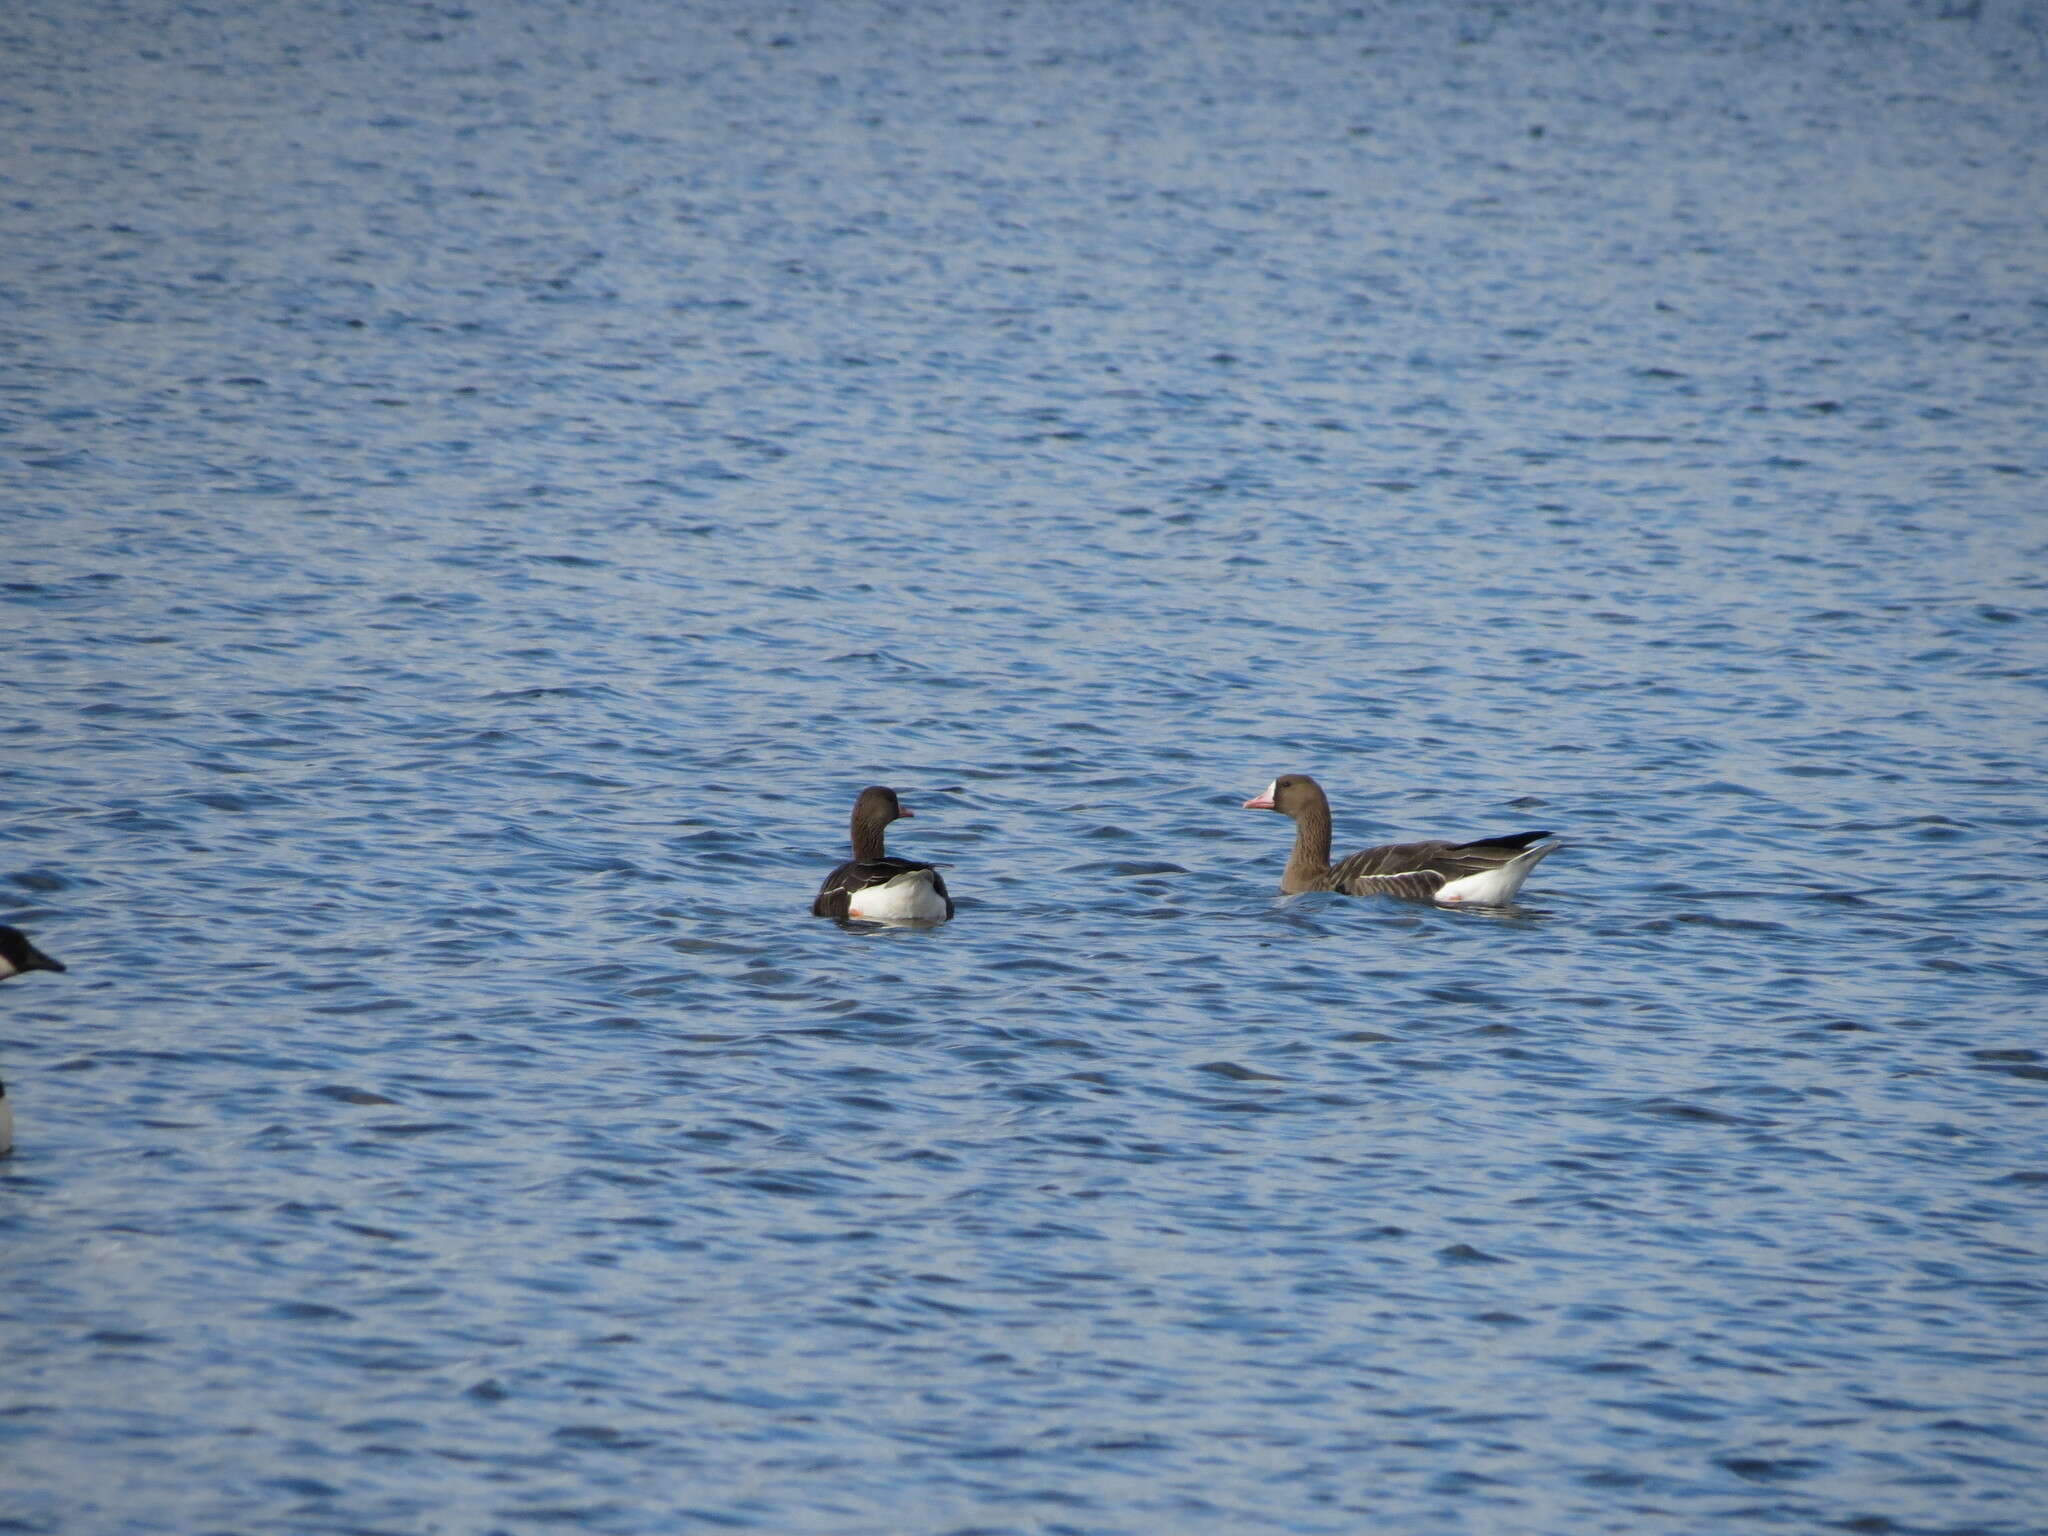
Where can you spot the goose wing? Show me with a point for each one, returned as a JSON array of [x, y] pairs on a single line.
[[1418, 871], [836, 895]]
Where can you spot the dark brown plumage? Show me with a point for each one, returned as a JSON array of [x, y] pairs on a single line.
[[871, 884], [1485, 872]]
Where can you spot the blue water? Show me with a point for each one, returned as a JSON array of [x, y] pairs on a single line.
[[482, 487]]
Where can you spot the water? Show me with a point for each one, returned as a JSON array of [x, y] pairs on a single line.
[[482, 490]]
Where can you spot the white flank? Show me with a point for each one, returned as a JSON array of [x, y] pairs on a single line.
[[909, 898], [7, 968], [1494, 887]]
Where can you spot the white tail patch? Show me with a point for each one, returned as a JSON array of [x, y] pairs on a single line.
[[908, 898], [1494, 887]]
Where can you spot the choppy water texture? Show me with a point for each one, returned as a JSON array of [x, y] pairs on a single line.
[[485, 485]]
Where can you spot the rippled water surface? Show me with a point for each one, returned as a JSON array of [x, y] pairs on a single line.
[[484, 486]]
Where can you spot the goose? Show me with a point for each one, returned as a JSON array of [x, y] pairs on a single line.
[[874, 887], [1483, 873], [17, 955]]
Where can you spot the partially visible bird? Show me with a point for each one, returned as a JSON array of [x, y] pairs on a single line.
[[17, 954]]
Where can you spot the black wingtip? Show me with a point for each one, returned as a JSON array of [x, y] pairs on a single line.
[[1516, 840]]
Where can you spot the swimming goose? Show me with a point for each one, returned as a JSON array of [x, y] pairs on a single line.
[[17, 955], [1484, 873], [872, 886]]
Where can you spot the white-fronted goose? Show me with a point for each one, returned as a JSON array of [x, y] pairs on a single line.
[[1483, 873], [874, 887]]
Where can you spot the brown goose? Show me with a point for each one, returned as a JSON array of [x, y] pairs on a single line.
[[874, 887], [1485, 873]]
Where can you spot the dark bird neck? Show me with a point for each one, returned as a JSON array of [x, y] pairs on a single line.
[[1310, 860], [867, 838]]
